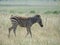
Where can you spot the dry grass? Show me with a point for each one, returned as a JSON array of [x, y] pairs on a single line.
[[48, 35]]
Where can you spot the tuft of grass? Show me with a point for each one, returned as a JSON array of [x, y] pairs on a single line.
[[56, 12]]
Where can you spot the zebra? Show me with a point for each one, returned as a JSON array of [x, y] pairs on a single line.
[[24, 22]]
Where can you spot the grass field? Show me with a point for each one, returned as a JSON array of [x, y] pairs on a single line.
[[48, 35]]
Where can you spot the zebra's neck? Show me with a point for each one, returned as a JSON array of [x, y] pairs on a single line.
[[33, 20]]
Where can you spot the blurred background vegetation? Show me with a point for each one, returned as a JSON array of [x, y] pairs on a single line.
[[30, 6]]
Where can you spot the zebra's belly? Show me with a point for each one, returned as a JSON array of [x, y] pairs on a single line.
[[23, 24]]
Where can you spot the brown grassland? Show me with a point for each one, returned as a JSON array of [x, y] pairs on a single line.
[[48, 35]]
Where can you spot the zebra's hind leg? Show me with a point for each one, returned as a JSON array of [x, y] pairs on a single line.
[[10, 31], [14, 29], [14, 26]]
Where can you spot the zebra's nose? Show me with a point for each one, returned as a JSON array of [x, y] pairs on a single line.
[[41, 25]]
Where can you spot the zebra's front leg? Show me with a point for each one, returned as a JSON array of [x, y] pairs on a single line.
[[29, 31]]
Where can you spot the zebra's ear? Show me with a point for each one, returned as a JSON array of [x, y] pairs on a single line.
[[37, 15], [11, 15]]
